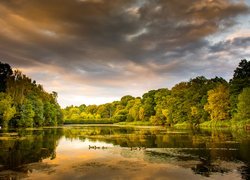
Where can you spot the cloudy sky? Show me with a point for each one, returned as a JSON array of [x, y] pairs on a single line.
[[95, 51]]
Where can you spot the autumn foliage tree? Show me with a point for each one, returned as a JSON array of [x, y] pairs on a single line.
[[7, 109], [218, 104]]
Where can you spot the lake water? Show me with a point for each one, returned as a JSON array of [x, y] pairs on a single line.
[[115, 152]]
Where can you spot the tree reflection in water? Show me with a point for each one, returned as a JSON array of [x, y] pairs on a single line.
[[210, 149], [27, 147], [204, 152]]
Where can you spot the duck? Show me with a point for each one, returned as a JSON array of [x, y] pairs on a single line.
[[137, 148], [133, 148], [142, 148], [92, 147]]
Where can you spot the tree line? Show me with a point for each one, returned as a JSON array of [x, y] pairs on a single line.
[[24, 103], [196, 101]]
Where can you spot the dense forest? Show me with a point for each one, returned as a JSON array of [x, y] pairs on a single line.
[[197, 101], [23, 103]]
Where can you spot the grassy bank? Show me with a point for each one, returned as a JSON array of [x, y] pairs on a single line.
[[89, 121], [136, 123], [226, 124], [241, 125], [108, 121], [231, 124], [184, 125], [215, 124]]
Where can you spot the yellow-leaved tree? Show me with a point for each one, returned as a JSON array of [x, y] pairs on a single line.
[[218, 104], [7, 110]]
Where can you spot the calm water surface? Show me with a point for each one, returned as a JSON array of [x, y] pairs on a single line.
[[113, 152]]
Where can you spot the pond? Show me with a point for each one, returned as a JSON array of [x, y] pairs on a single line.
[[118, 152]]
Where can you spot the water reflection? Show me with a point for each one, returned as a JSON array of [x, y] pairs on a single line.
[[49, 152], [25, 147]]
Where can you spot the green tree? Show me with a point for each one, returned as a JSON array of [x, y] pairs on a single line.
[[74, 111], [83, 115], [178, 104], [218, 104], [148, 104], [120, 115], [26, 115], [7, 110], [59, 115], [135, 109], [49, 114], [104, 110], [82, 107], [240, 80], [196, 98], [28, 100], [19, 86], [38, 108], [125, 99], [5, 73], [161, 103], [141, 113], [91, 109], [243, 111], [168, 117]]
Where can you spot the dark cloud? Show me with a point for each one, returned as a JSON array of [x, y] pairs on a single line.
[[230, 44], [113, 44]]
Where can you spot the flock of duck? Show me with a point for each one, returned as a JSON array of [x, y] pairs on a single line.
[[137, 148], [97, 147], [104, 147]]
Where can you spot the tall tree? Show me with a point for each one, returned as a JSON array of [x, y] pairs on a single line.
[[25, 99], [7, 110], [243, 111], [38, 109], [5, 73], [240, 80], [218, 104], [135, 109], [125, 99], [27, 114], [148, 104]]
